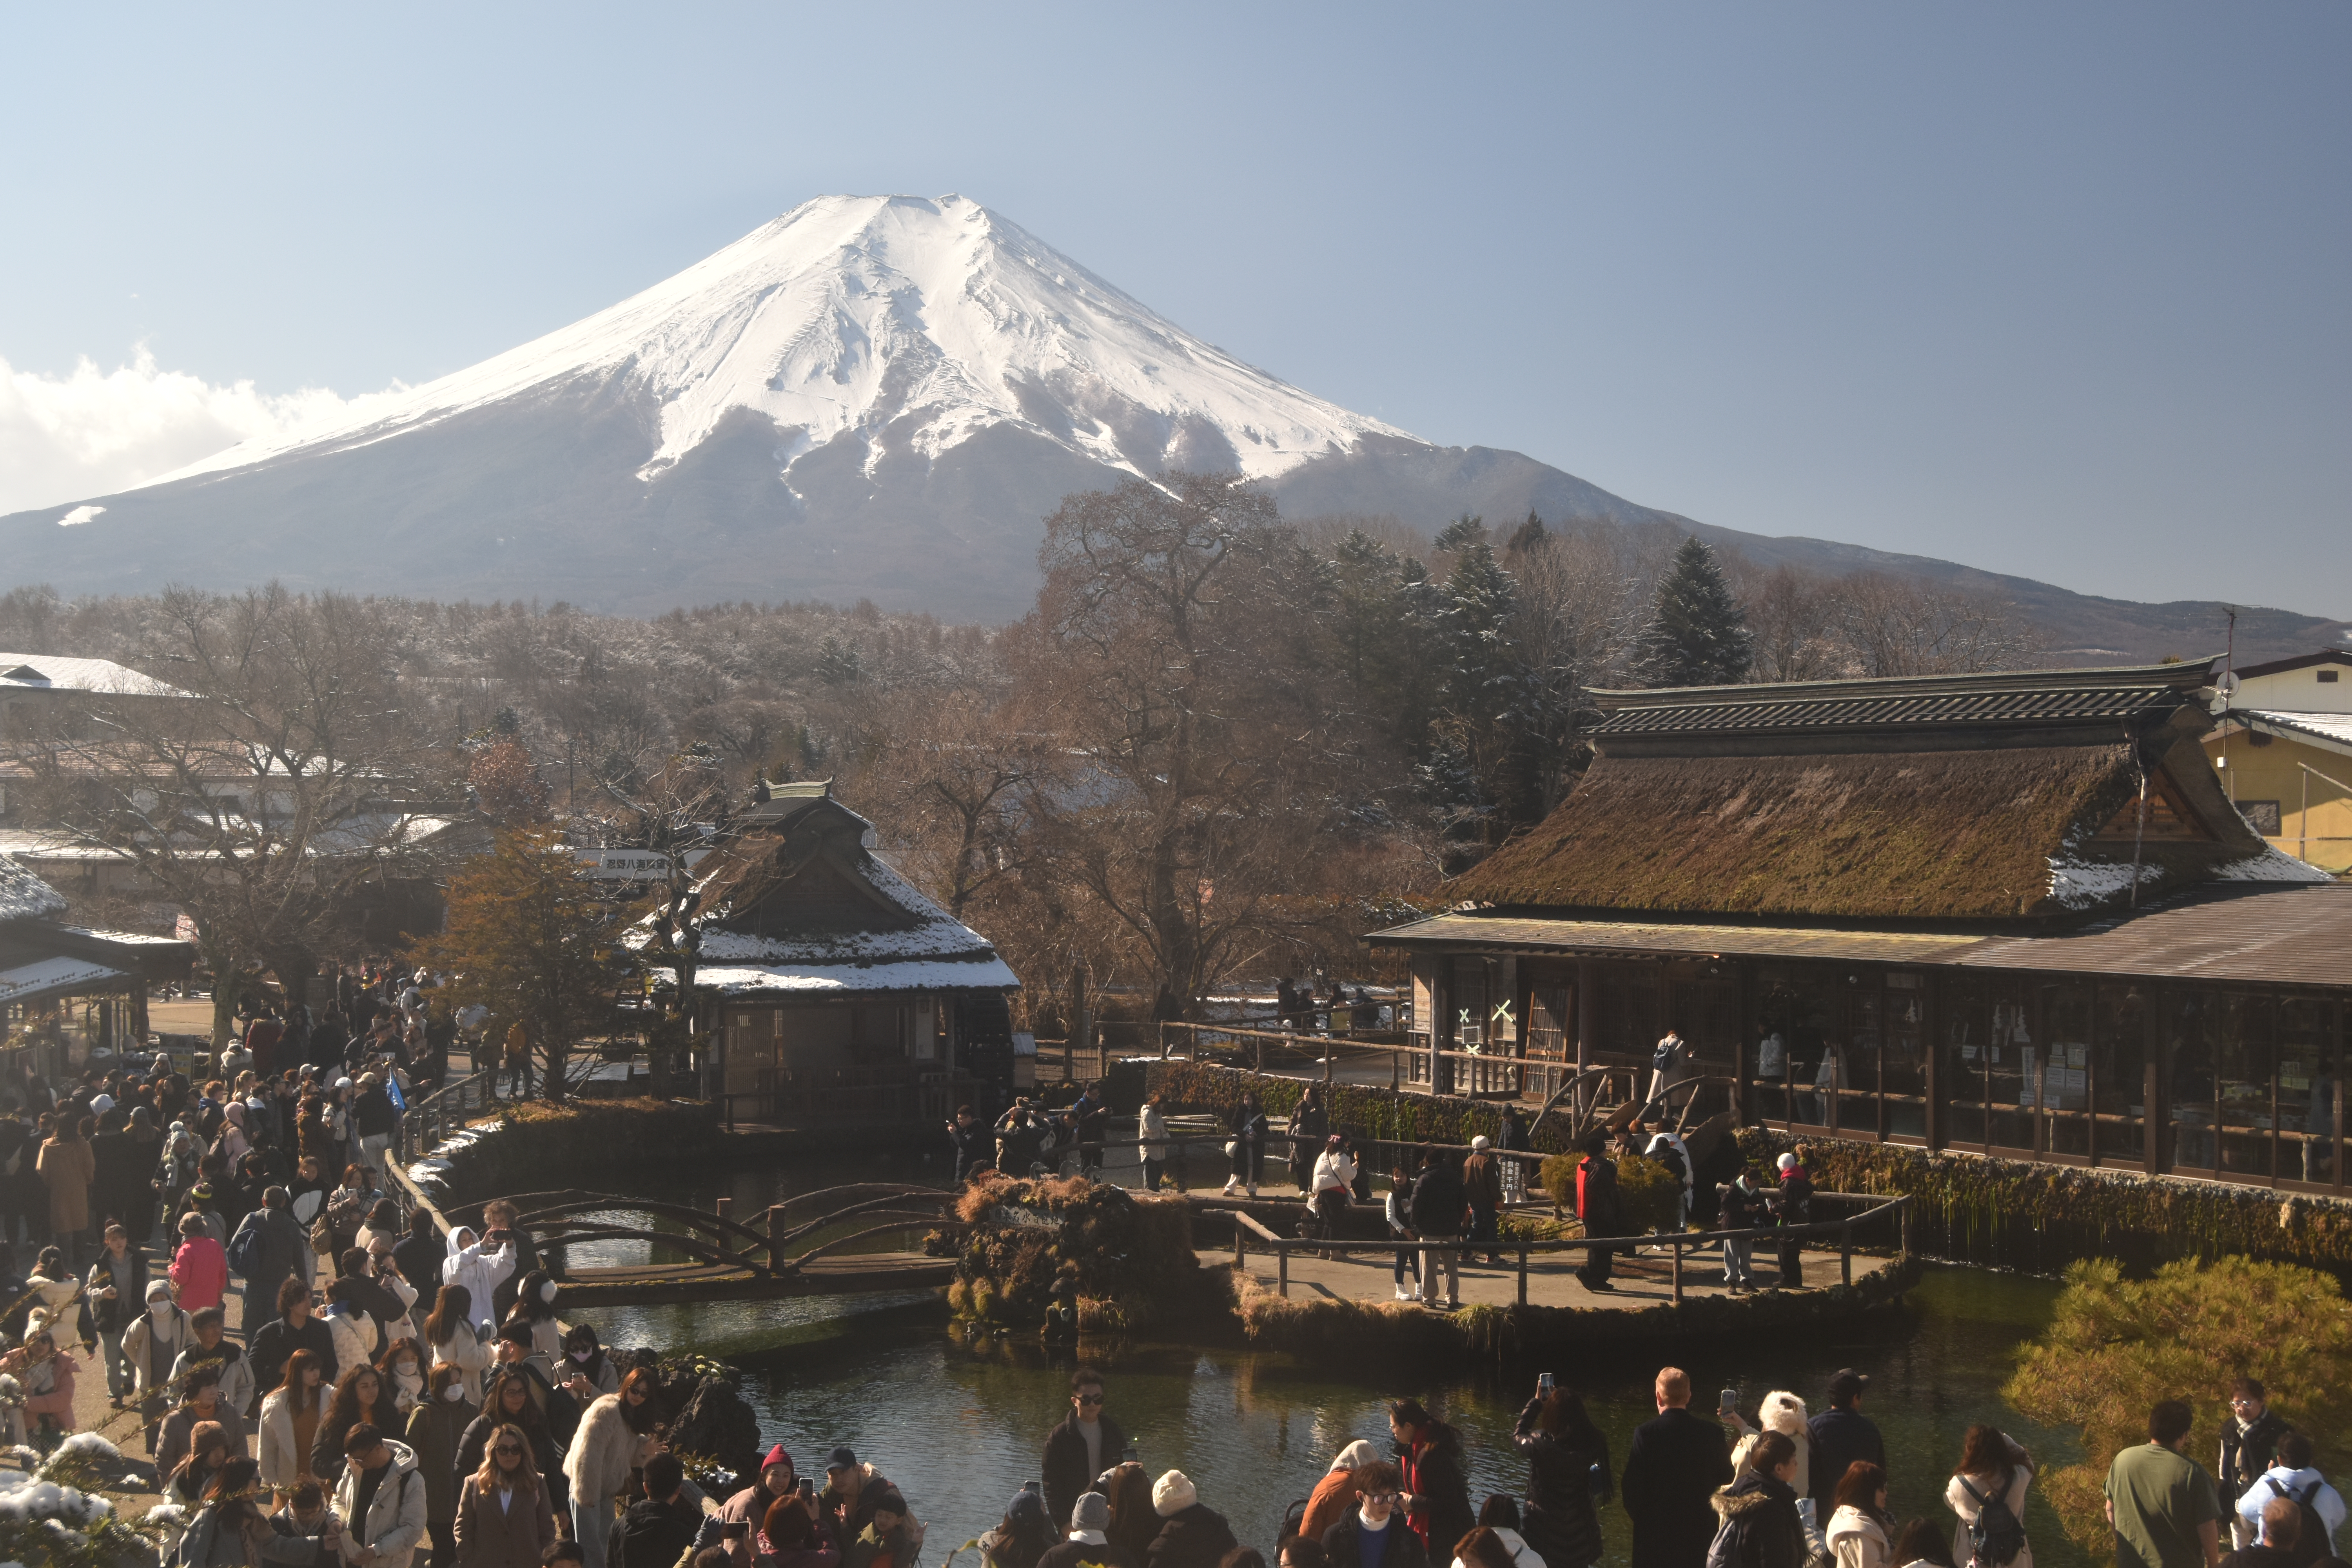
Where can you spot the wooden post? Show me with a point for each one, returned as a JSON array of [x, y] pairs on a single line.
[[1241, 1238], [1523, 1274], [1678, 1271], [1282, 1271], [725, 1205], [776, 1229], [1910, 1226], [1845, 1251]]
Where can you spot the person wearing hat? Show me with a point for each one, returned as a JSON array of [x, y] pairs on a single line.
[[1482, 1186], [846, 1505], [776, 1481], [1023, 1537], [1192, 1535], [1794, 1204], [1842, 1436], [1088, 1545], [891, 1539]]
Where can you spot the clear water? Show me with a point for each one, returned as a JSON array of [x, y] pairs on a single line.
[[958, 1422]]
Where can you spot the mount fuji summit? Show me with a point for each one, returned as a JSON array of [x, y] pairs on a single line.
[[870, 396]]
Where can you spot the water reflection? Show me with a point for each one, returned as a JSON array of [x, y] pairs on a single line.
[[958, 1422]]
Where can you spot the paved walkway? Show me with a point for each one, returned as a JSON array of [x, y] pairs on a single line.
[[1646, 1280]]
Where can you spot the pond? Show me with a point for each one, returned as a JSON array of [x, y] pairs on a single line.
[[959, 1423]]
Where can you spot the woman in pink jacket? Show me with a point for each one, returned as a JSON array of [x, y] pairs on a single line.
[[199, 1269], [46, 1375]]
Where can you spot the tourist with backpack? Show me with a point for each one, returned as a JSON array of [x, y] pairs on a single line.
[[1671, 1063], [1988, 1492], [2249, 1443], [2294, 1478]]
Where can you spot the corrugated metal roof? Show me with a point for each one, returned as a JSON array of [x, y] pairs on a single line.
[[1636, 939], [2283, 936], [57, 977], [2333, 731], [2275, 936]]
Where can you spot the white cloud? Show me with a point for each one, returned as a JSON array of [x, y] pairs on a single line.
[[95, 432]]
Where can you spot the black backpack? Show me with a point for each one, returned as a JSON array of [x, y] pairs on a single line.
[[2311, 1543], [1996, 1538]]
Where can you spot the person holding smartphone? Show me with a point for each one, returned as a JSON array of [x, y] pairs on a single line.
[[1565, 1453], [777, 1480]]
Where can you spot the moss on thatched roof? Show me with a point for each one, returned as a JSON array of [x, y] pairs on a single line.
[[1917, 834]]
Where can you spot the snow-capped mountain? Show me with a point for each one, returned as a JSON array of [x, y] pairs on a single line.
[[905, 324], [871, 396]]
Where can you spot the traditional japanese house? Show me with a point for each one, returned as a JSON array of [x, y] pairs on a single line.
[[67, 991], [844, 996], [2285, 751], [2011, 913]]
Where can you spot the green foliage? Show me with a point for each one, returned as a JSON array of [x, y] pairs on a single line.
[[1361, 1109], [2039, 1218], [1697, 632], [72, 1526], [2115, 1347], [1559, 1182], [1653, 1197]]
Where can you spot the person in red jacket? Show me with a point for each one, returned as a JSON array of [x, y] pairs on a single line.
[[199, 1269]]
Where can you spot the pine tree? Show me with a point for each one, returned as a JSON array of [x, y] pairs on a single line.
[[1698, 634]]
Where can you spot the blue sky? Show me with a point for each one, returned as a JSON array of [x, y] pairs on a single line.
[[2063, 291]]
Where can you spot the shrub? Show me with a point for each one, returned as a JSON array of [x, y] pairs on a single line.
[[1653, 1197], [2114, 1347]]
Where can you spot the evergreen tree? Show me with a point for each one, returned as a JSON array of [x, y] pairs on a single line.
[[1697, 632]]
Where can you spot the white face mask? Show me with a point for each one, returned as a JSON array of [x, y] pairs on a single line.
[[407, 1374], [161, 1310], [454, 1392], [547, 1292]]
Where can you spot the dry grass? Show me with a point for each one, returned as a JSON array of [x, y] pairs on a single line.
[[1914, 835]]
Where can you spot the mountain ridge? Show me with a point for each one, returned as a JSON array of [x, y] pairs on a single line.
[[866, 397]]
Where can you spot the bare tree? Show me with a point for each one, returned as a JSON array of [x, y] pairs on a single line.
[[1161, 654], [284, 808], [1905, 625]]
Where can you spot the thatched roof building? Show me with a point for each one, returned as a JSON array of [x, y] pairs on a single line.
[[1972, 797], [844, 994], [2013, 912]]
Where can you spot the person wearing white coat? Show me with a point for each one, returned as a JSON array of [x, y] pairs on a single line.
[[478, 1271], [285, 1459], [352, 1331], [1522, 1554]]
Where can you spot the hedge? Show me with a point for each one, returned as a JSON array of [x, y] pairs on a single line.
[[2013, 1213]]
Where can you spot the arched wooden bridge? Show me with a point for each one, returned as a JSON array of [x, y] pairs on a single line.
[[805, 1247]]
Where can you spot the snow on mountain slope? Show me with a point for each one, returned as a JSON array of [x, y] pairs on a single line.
[[913, 322]]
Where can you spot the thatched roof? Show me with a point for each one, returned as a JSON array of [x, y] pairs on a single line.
[[1981, 834]]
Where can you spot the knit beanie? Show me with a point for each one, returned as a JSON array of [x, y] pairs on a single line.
[[1172, 1494], [1091, 1511]]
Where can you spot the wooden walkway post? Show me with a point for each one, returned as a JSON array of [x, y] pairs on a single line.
[[1523, 1274], [777, 1230], [1678, 1271], [1845, 1251], [1282, 1271]]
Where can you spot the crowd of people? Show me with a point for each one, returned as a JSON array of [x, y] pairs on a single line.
[[1784, 1490]]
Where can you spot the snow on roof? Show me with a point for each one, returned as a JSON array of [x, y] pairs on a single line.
[[990, 973], [52, 672], [24, 897], [2333, 731], [55, 978]]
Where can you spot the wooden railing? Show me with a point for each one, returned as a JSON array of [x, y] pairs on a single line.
[[1247, 1229], [428, 1122]]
